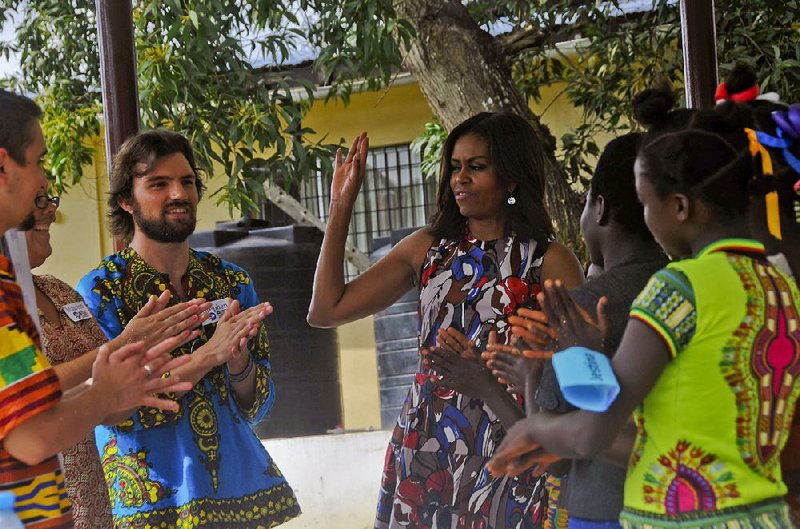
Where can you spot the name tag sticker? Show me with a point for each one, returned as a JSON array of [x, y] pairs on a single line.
[[77, 311], [218, 308]]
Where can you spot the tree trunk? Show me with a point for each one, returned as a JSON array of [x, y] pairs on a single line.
[[462, 71]]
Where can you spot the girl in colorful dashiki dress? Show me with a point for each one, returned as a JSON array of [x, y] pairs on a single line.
[[711, 355], [777, 127], [485, 251]]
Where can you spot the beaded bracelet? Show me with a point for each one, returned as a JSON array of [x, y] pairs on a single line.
[[244, 373]]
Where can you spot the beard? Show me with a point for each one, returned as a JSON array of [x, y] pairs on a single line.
[[28, 223], [162, 230]]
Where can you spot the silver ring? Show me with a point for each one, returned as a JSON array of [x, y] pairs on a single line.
[[148, 369]]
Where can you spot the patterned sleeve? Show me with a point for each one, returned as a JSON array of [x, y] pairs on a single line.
[[259, 349], [667, 306], [98, 292], [28, 384], [99, 299]]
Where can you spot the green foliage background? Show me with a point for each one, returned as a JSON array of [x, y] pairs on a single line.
[[196, 74], [615, 56]]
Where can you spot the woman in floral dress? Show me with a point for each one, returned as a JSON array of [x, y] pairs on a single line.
[[486, 251]]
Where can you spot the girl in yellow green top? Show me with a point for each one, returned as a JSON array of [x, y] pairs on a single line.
[[710, 358]]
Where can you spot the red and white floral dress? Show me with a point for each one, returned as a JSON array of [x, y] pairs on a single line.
[[435, 474]]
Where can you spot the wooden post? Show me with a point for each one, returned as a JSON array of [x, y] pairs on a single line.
[[698, 33], [118, 75]]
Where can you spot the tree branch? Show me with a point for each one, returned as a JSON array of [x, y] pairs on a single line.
[[304, 217], [514, 43]]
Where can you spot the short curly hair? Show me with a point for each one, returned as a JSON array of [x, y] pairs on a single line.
[[136, 157], [614, 179]]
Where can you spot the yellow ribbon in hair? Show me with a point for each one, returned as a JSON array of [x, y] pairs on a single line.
[[771, 198]]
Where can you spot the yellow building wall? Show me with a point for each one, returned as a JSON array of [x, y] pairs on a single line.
[[81, 239], [390, 117]]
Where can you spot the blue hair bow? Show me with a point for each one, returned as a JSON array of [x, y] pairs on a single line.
[[782, 143]]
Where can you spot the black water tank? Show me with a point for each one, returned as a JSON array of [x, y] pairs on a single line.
[[305, 360], [396, 341]]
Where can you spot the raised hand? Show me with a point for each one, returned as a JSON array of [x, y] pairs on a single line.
[[131, 376], [348, 173], [155, 321], [574, 326]]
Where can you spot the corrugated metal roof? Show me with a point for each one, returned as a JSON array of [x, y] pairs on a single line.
[[636, 6]]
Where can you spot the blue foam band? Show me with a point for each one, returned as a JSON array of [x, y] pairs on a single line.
[[586, 378]]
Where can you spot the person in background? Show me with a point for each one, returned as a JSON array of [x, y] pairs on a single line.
[[709, 357], [619, 242], [775, 219], [775, 213], [70, 333]]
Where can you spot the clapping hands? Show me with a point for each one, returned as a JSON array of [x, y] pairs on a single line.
[[156, 322], [571, 324], [233, 330], [132, 376], [457, 361], [532, 330], [508, 364]]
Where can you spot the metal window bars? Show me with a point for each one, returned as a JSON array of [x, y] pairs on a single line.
[[394, 195]]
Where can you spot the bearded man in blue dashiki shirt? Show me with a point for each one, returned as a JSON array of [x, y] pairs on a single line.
[[202, 466]]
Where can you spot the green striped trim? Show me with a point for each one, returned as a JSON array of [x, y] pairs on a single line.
[[666, 284], [655, 325], [733, 245]]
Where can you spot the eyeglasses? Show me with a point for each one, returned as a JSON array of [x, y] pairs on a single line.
[[42, 201]]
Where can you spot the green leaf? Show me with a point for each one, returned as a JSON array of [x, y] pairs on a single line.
[[195, 74]]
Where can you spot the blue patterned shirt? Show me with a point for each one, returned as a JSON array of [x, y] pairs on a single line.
[[201, 466]]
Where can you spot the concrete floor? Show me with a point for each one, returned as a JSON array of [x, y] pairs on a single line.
[[335, 477]]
